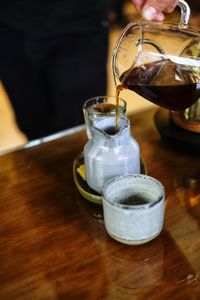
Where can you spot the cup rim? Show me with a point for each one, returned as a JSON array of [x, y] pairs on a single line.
[[103, 97], [138, 206]]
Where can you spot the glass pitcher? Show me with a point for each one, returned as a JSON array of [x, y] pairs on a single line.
[[155, 61]]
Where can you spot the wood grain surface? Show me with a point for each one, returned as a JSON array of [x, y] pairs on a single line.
[[53, 243]]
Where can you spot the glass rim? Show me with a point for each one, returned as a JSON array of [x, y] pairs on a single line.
[[100, 98]]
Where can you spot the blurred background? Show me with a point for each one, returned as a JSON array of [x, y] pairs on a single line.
[[121, 13]]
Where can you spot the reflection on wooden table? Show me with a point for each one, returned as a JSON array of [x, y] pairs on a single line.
[[53, 241]]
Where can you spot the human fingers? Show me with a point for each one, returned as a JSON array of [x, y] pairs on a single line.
[[155, 9]]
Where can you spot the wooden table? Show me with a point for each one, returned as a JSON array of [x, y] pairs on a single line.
[[53, 244]]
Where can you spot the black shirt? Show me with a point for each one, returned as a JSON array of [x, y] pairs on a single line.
[[53, 18]]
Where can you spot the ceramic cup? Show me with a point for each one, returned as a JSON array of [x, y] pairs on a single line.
[[101, 106], [133, 207]]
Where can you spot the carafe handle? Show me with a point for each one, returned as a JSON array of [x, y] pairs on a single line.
[[185, 13]]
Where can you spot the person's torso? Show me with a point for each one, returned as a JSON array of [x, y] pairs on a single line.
[[53, 18]]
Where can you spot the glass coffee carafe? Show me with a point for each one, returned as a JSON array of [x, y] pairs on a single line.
[[160, 61]]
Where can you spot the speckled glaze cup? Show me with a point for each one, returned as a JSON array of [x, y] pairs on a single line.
[[133, 207]]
